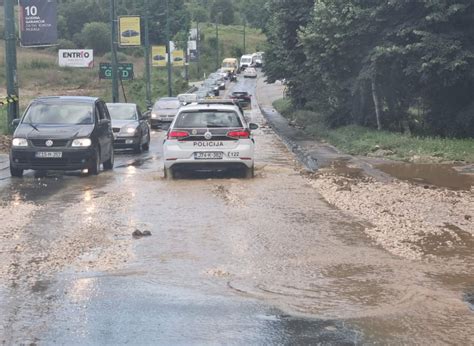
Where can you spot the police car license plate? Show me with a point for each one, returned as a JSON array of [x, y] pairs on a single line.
[[49, 154], [209, 155]]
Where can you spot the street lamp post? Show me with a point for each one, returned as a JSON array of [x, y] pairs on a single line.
[[10, 59], [197, 51], [147, 57], [170, 88], [113, 47], [245, 39]]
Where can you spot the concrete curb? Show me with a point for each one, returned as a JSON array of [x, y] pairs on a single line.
[[301, 154]]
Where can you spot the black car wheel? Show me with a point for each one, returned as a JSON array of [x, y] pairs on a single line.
[[94, 168], [16, 172], [138, 148], [146, 146], [109, 164]]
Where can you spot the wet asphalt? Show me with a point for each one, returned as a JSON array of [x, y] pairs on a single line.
[[229, 261]]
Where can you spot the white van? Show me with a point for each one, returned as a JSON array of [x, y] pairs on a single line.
[[246, 61]]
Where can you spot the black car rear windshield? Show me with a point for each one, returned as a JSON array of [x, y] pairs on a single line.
[[208, 119], [59, 113], [122, 112]]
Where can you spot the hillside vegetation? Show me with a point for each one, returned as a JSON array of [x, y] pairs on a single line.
[[78, 23]]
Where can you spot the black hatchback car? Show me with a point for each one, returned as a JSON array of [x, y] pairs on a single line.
[[63, 133]]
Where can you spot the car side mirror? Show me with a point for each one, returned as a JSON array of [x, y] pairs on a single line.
[[253, 126], [104, 121], [146, 116], [15, 123]]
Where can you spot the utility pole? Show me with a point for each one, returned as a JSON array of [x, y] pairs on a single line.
[[113, 47], [147, 57], [170, 87], [217, 42], [10, 59], [245, 29], [186, 61], [197, 50]]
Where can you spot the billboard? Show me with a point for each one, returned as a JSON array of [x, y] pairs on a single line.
[[76, 58], [38, 22], [129, 31], [158, 56], [178, 57]]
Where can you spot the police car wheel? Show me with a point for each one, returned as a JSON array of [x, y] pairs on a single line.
[[169, 173], [249, 172]]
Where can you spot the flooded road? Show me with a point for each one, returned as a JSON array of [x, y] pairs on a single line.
[[275, 259]]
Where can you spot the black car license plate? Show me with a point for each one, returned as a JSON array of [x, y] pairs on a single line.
[[209, 155], [49, 155]]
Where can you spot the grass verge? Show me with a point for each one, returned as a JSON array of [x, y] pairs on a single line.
[[3, 120], [358, 140]]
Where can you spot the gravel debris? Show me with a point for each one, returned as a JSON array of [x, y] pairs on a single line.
[[406, 219]]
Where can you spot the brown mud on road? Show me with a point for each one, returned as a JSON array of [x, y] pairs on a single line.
[[422, 215], [412, 210]]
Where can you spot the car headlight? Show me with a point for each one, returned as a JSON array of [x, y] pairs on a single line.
[[82, 142], [128, 131], [153, 115], [19, 142]]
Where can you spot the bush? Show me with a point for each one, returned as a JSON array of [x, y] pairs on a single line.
[[96, 36], [309, 118], [284, 107]]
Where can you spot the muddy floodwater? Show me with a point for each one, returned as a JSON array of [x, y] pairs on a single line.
[[334, 256], [438, 175]]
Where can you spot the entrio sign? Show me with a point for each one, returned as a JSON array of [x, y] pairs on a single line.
[[76, 58], [76, 54]]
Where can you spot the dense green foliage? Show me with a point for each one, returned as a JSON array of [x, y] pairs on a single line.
[[414, 59], [359, 140]]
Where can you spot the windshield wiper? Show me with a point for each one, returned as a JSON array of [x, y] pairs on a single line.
[[215, 126], [33, 126]]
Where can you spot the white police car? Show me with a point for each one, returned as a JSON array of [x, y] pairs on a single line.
[[208, 136]]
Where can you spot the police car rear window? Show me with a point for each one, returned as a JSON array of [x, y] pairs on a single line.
[[208, 119]]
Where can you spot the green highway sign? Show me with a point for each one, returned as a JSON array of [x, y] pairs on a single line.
[[125, 71]]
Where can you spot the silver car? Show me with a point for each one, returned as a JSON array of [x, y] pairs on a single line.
[[164, 111]]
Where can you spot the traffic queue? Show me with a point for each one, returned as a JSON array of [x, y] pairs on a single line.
[[81, 133]]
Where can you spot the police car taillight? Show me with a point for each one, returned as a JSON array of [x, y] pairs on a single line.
[[178, 135], [241, 134]]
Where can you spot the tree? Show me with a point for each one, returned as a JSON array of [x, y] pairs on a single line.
[[285, 57], [222, 11], [371, 63]]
